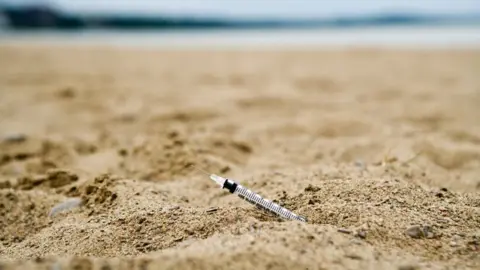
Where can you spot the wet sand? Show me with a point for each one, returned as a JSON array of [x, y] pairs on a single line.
[[379, 149]]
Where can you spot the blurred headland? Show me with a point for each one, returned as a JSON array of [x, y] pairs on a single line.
[[38, 16]]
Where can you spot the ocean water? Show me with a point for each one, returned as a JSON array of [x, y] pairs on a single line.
[[410, 35], [460, 36], [264, 9]]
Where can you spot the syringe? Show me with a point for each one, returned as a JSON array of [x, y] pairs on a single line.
[[254, 198]]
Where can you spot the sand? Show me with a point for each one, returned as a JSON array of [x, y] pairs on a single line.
[[379, 149]]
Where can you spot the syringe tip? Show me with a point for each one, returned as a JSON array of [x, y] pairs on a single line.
[[218, 179]]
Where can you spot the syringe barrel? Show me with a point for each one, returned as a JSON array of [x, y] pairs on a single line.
[[256, 199]]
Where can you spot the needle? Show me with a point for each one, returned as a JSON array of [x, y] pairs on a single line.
[[200, 170]]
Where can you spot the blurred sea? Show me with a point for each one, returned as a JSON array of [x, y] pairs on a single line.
[[465, 36], [426, 23]]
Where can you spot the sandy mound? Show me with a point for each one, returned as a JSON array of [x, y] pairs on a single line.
[[380, 150]]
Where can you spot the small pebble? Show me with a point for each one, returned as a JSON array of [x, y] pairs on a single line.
[[342, 230], [418, 231], [415, 232], [453, 244], [66, 205], [361, 234], [211, 210], [15, 138], [359, 164]]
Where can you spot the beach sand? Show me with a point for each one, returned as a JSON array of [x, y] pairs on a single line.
[[378, 148]]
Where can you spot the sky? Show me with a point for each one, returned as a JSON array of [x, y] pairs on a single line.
[[263, 8]]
